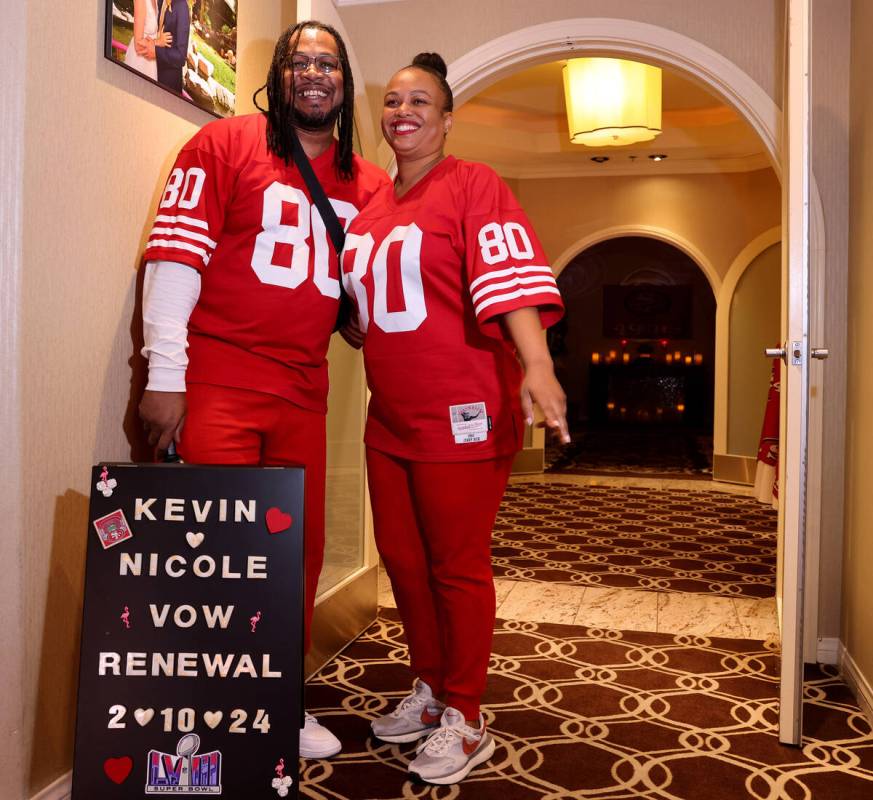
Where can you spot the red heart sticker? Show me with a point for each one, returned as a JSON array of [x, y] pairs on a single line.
[[278, 520], [117, 769]]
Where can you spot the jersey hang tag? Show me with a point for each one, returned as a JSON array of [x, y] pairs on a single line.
[[470, 422]]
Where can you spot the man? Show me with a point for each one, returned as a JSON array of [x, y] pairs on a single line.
[[241, 272], [175, 19]]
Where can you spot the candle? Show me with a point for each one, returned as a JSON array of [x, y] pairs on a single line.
[[610, 406], [595, 358], [687, 359], [698, 358], [625, 357], [680, 407], [612, 355], [668, 358], [678, 355]]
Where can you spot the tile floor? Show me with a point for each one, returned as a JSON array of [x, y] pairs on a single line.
[[630, 609]]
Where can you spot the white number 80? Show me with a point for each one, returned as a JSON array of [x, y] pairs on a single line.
[[497, 242]]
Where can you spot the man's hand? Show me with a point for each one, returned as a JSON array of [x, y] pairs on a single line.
[[164, 39], [163, 415]]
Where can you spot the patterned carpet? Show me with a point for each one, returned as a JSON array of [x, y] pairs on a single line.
[[634, 452], [586, 713], [633, 537]]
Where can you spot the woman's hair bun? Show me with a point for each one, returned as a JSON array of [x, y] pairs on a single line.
[[432, 61]]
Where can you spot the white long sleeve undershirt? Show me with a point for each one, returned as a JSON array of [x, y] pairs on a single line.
[[170, 292]]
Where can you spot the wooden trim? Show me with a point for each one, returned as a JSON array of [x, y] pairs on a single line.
[[340, 617]]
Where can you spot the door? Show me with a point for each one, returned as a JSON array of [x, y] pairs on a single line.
[[795, 381]]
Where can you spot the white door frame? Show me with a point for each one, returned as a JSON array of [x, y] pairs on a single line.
[[794, 419], [641, 41]]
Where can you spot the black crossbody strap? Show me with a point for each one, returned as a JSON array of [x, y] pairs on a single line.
[[328, 215]]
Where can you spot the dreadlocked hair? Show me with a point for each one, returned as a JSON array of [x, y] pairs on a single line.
[[433, 64], [280, 115]]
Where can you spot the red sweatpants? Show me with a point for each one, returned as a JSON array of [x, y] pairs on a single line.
[[433, 526], [225, 425]]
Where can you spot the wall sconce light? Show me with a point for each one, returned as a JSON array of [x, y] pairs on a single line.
[[612, 102]]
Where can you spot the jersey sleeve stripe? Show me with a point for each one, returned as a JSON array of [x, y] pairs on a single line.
[[503, 273], [184, 234], [170, 243], [493, 287], [505, 297], [184, 220]]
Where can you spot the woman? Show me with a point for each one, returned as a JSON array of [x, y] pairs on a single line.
[[447, 275], [140, 50]]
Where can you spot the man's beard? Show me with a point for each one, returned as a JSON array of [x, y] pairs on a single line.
[[315, 121]]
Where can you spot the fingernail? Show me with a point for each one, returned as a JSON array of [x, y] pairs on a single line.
[[528, 420]]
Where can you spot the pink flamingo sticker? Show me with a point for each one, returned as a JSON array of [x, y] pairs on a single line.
[[106, 484], [125, 617], [254, 621], [281, 782]]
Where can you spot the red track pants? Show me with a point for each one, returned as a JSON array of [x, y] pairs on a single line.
[[225, 425], [433, 525]]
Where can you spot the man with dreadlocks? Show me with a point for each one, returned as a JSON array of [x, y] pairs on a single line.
[[241, 274]]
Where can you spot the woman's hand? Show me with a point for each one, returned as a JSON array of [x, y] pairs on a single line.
[[141, 46], [164, 39], [352, 333], [540, 386]]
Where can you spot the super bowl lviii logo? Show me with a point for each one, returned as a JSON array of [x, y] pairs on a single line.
[[184, 772]]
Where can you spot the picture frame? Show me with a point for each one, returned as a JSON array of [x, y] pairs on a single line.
[[187, 47]]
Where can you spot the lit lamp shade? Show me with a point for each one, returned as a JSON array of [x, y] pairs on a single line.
[[612, 102]]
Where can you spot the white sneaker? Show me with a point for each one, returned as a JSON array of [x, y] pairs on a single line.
[[452, 750], [317, 741], [416, 715]]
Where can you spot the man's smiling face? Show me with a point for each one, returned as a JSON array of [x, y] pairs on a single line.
[[318, 94]]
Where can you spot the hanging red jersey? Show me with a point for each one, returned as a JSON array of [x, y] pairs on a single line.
[[432, 274], [269, 289]]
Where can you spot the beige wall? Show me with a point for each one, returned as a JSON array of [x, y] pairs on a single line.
[[98, 142], [831, 31], [857, 605], [754, 325], [12, 634], [716, 215]]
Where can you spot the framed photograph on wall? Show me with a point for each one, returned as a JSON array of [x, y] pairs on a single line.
[[187, 47]]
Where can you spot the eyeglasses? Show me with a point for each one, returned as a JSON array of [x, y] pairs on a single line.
[[326, 64]]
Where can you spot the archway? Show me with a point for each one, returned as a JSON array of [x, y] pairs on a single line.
[[634, 353], [622, 37]]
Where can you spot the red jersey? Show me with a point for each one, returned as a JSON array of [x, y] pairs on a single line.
[[269, 289], [432, 273]]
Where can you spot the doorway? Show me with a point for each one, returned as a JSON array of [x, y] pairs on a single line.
[[551, 41], [634, 353]]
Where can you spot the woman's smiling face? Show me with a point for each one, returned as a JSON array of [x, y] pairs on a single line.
[[413, 120]]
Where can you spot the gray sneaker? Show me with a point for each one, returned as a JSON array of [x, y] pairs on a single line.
[[452, 750], [416, 715]]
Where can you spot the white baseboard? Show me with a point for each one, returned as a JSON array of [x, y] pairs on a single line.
[[828, 650], [857, 682], [59, 790]]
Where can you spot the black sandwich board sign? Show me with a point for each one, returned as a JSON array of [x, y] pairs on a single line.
[[190, 677]]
